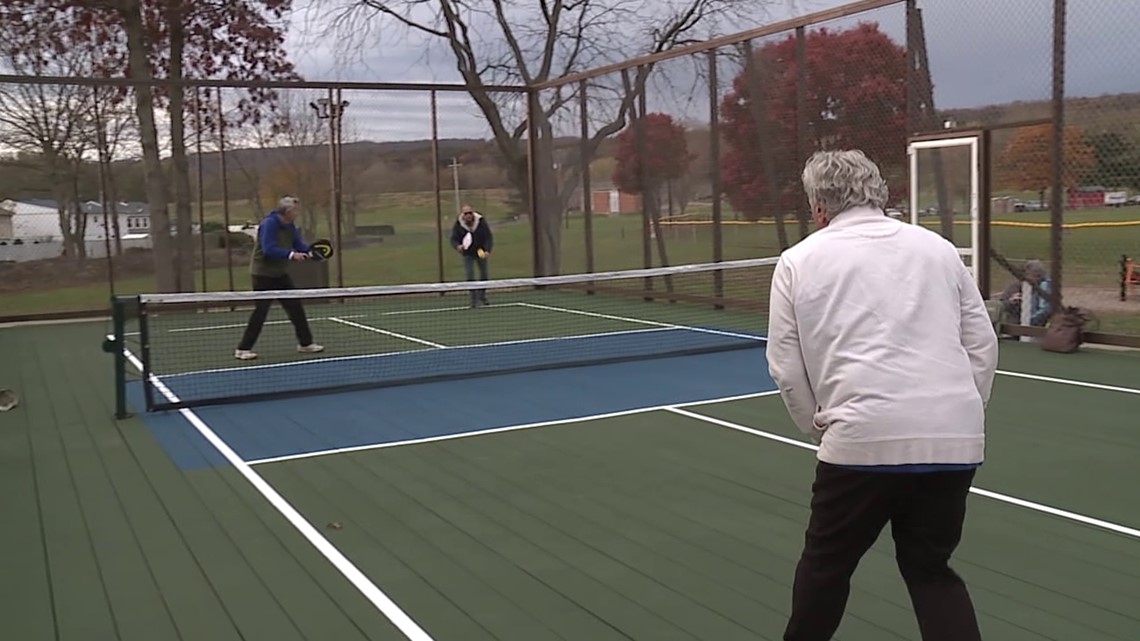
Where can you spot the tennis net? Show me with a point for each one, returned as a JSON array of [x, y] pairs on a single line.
[[182, 346]]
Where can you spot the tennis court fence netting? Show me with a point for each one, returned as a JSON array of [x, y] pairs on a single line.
[[180, 348]]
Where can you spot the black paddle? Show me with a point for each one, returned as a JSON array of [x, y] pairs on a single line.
[[320, 249]]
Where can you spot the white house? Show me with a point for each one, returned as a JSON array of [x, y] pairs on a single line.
[[35, 220], [134, 220], [32, 220]]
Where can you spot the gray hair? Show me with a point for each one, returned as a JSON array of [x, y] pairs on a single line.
[[840, 180], [1035, 268]]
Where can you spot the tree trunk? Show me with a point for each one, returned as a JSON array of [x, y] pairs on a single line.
[[653, 205], [107, 185], [113, 200], [548, 212], [180, 164], [78, 230], [148, 136]]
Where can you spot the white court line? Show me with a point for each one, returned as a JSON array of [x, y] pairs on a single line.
[[458, 308], [210, 328], [640, 321], [1038, 507], [404, 312], [385, 332], [1034, 377], [417, 351], [180, 330], [500, 430], [378, 598], [1074, 383], [242, 325]]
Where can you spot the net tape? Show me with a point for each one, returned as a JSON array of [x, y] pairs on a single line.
[[191, 298], [432, 288]]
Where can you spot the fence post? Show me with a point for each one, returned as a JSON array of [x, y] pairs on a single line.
[[1056, 217], [587, 195], [532, 107], [436, 186], [714, 176]]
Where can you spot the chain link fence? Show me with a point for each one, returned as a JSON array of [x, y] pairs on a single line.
[[689, 155], [380, 172]]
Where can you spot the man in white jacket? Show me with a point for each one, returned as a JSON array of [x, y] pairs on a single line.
[[884, 355]]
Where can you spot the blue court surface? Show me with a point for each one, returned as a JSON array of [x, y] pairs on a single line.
[[258, 431], [425, 362]]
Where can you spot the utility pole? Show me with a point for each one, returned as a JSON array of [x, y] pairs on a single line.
[[455, 165]]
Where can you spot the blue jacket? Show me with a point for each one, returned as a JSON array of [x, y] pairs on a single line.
[[1042, 307], [275, 239]]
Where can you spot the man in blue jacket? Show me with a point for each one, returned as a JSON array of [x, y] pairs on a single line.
[[278, 242], [471, 237]]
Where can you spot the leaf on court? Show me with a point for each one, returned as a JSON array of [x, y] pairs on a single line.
[[335, 526], [8, 400]]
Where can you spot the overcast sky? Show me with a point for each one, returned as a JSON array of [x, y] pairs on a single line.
[[981, 52]]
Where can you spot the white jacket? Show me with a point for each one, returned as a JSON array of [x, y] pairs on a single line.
[[881, 345]]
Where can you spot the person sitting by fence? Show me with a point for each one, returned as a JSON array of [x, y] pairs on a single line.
[[1041, 308]]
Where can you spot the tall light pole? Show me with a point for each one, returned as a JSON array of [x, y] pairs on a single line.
[[332, 109]]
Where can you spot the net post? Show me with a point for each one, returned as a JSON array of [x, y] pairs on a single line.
[[116, 347], [144, 354]]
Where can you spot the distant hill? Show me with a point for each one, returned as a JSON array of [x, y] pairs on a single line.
[[362, 153], [1113, 113], [1118, 113], [395, 165]]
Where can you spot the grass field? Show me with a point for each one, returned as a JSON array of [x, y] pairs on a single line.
[[1092, 254]]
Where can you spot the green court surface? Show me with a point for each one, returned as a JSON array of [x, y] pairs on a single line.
[[680, 523]]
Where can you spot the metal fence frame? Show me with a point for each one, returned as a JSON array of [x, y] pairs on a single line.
[[919, 123]]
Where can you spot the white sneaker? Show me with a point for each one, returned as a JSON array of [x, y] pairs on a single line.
[[245, 354], [310, 349]]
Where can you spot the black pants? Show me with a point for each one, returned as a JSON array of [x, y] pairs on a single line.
[[292, 306], [848, 511], [469, 263]]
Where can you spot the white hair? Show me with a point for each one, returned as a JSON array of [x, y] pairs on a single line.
[[288, 202], [840, 180]]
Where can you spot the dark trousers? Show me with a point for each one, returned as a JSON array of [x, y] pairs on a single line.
[[292, 306], [469, 263], [849, 509]]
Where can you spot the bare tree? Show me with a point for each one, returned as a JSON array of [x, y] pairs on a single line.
[[530, 42], [51, 122], [296, 145], [113, 124]]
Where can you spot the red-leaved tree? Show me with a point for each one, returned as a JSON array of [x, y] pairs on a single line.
[[666, 155], [646, 170], [856, 99]]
